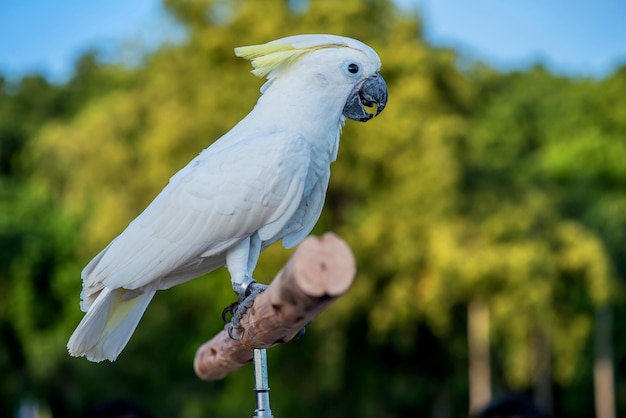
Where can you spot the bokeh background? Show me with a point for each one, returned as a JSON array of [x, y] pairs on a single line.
[[486, 206]]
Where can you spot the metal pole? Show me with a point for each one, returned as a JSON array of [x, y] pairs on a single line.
[[261, 388]]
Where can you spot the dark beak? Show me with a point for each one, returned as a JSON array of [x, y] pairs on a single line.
[[367, 99]]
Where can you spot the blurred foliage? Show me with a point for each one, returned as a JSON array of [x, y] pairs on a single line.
[[472, 184]]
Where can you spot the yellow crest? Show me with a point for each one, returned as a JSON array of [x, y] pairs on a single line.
[[267, 58]]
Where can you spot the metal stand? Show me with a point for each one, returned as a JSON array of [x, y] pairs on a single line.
[[261, 388]]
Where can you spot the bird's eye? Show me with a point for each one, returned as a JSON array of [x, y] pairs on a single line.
[[353, 68]]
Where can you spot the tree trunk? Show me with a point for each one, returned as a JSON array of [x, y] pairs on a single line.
[[442, 407], [479, 356], [542, 371], [603, 364]]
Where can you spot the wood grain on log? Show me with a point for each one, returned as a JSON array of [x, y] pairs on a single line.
[[319, 271]]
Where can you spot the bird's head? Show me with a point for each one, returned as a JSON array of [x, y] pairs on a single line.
[[325, 66]]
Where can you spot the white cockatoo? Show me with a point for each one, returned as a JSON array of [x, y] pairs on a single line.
[[263, 181]]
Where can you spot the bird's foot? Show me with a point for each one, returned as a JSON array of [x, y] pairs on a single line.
[[237, 309], [300, 335]]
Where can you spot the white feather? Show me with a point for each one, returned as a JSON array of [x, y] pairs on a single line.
[[108, 325]]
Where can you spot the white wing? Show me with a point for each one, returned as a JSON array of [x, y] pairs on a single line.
[[213, 203], [305, 218]]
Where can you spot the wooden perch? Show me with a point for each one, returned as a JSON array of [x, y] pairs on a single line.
[[318, 272]]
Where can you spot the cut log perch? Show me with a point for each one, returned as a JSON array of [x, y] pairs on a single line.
[[318, 272]]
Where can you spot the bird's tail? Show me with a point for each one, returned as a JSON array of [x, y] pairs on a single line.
[[109, 324]]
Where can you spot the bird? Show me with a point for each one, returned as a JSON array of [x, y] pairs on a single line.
[[262, 182]]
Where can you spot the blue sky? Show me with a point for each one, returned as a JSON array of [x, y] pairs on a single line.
[[571, 37]]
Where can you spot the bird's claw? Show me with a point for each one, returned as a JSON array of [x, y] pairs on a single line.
[[300, 335], [230, 331], [230, 309], [237, 309]]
